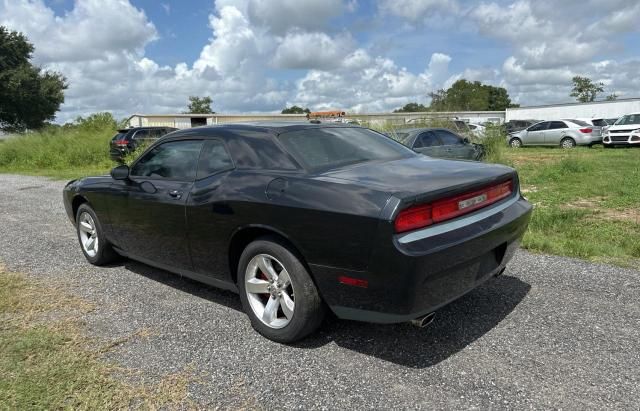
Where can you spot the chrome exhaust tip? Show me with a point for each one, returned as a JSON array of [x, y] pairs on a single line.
[[423, 321]]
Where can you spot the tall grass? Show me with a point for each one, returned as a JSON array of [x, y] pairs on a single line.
[[58, 151]]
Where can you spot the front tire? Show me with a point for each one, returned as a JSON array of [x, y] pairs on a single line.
[[515, 142], [93, 243], [277, 292]]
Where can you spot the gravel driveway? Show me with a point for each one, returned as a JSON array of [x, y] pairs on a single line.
[[552, 332]]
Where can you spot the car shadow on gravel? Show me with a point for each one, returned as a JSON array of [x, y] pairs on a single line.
[[195, 288], [455, 327]]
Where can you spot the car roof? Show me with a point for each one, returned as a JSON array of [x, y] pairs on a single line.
[[271, 127], [421, 129], [126, 130]]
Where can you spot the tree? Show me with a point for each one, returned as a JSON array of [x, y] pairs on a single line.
[[199, 105], [585, 90], [613, 96], [411, 108], [438, 100], [470, 96], [295, 110], [29, 96]]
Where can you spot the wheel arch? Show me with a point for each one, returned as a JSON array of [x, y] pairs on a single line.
[[243, 236], [77, 201]]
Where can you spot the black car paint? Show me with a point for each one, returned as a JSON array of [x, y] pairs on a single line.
[[339, 221]]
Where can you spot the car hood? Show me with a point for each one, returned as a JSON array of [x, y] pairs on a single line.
[[624, 127], [422, 176]]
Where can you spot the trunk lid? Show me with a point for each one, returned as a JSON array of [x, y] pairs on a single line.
[[423, 178]]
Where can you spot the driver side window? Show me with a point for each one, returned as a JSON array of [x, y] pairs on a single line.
[[175, 160]]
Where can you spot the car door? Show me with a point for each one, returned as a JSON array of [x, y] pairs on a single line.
[[454, 146], [534, 135], [149, 211], [555, 132], [428, 144], [209, 216]]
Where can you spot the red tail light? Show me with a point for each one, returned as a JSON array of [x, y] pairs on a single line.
[[423, 215], [413, 217], [586, 130], [121, 142]]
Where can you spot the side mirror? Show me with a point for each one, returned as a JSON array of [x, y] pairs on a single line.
[[120, 173]]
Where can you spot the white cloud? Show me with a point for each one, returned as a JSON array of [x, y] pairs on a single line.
[[363, 83], [280, 16], [99, 45], [416, 10], [91, 30], [317, 50]]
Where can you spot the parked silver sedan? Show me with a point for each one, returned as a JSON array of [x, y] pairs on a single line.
[[565, 133]]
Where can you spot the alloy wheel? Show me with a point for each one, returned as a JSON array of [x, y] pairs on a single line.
[[88, 234], [515, 143], [567, 143], [269, 291]]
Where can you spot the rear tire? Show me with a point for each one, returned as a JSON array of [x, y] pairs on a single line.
[[277, 292], [93, 243], [567, 143], [515, 142]]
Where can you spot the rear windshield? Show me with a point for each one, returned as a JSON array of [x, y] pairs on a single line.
[[327, 148], [579, 122], [118, 136], [402, 137], [628, 119]]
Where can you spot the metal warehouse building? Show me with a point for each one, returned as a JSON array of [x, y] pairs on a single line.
[[596, 109], [195, 120]]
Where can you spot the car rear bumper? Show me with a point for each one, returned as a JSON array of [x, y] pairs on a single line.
[[421, 271], [118, 154], [588, 140]]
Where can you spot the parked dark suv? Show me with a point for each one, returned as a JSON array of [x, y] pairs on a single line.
[[128, 139]]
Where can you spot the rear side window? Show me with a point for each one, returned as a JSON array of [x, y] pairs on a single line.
[[214, 158], [427, 139], [175, 160], [554, 125], [448, 138], [141, 134], [327, 148], [256, 149]]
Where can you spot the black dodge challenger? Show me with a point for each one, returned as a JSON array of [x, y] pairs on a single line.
[[304, 218]]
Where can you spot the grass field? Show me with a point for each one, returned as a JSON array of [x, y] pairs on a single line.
[[47, 363], [587, 200]]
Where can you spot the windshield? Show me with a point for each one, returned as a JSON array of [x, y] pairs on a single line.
[[628, 119], [118, 136], [327, 148]]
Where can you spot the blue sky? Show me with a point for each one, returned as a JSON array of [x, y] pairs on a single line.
[[131, 56]]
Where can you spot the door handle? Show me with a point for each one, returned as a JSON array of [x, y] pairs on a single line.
[[175, 194]]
